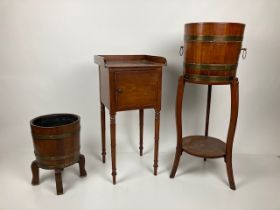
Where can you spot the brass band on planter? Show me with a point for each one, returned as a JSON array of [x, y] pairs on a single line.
[[55, 136], [207, 78], [211, 38], [40, 157], [211, 67]]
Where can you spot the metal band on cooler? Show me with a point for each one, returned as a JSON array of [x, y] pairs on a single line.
[[39, 157], [206, 78], [63, 165], [211, 67], [55, 136], [211, 38]]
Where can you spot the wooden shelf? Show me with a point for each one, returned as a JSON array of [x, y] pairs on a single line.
[[204, 146]]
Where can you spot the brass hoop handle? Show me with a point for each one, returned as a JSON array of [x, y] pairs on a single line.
[[244, 53], [181, 51]]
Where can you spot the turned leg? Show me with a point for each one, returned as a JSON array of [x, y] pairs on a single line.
[[179, 101], [141, 122], [231, 131], [82, 165], [208, 110], [157, 122], [35, 173], [58, 180], [113, 145], [103, 137]]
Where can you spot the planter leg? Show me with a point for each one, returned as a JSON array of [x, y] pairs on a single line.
[[82, 166], [35, 173], [58, 180]]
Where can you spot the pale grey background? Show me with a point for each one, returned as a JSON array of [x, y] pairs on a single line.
[[46, 64]]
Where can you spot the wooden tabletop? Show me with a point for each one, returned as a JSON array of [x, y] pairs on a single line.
[[129, 60]]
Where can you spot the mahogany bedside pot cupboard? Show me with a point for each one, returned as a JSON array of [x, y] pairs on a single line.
[[129, 82]]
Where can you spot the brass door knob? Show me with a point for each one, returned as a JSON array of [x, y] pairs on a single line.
[[119, 90]]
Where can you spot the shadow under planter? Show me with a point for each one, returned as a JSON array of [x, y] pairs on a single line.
[[56, 140]]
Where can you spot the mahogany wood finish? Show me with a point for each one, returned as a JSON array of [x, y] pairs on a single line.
[[211, 51], [58, 181], [141, 123], [234, 88], [179, 102], [56, 140], [207, 44], [35, 173], [113, 145], [209, 93], [129, 82], [82, 162], [103, 142], [157, 122], [204, 146]]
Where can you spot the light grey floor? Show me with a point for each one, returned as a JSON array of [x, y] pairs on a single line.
[[197, 185]]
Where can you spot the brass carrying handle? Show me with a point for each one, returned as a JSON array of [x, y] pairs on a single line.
[[244, 53], [181, 51]]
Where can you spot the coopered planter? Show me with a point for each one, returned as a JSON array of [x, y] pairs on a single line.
[[56, 140], [211, 54]]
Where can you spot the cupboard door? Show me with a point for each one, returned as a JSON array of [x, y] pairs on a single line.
[[137, 89]]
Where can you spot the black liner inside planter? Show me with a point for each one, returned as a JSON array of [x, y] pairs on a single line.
[[55, 120]]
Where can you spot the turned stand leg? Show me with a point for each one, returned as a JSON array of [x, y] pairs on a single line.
[[231, 131], [82, 165], [103, 137], [113, 145], [208, 110], [179, 101], [157, 122], [58, 180], [35, 173], [141, 123]]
